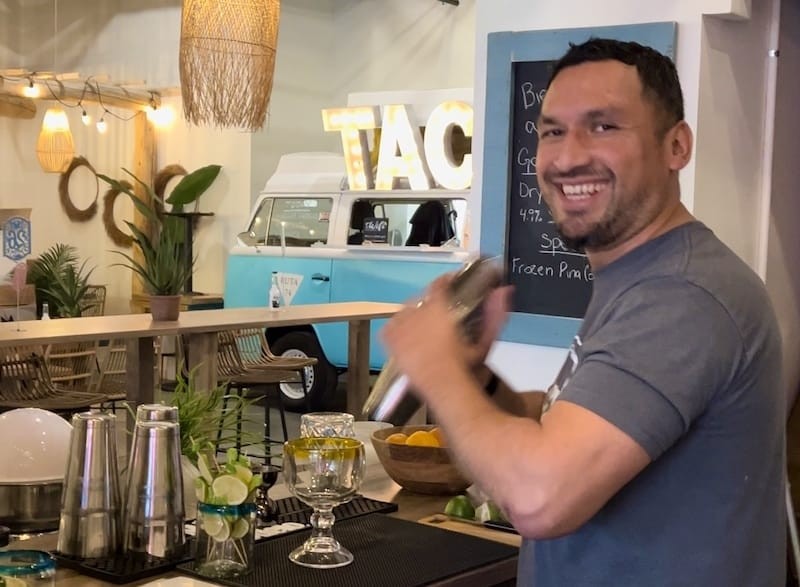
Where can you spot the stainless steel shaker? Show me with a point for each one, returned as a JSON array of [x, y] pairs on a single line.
[[154, 509], [91, 511], [156, 413], [390, 399]]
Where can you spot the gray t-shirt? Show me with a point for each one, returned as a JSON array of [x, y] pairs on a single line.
[[680, 350]]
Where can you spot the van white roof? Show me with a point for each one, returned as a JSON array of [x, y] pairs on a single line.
[[308, 172]]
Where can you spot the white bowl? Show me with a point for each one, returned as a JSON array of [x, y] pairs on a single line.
[[34, 446]]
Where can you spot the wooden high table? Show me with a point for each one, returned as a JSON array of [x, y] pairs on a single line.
[[201, 328]]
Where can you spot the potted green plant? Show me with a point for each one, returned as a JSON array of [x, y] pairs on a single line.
[[163, 270], [60, 282], [207, 421]]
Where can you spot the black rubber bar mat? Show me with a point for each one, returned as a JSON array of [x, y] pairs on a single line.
[[389, 552], [291, 509], [122, 568]]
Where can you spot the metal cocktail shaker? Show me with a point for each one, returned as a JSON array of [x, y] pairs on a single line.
[[390, 399], [91, 508], [154, 509]]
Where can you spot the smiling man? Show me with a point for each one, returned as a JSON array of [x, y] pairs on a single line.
[[657, 456]]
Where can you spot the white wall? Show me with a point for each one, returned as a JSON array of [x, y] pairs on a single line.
[[130, 41]]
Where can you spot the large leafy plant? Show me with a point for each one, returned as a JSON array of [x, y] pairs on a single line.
[[60, 282], [164, 270]]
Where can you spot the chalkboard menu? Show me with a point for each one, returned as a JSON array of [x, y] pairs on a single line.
[[548, 277]]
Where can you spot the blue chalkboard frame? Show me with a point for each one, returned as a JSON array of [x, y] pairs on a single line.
[[505, 49]]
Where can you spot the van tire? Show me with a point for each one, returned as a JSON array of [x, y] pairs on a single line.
[[323, 380]]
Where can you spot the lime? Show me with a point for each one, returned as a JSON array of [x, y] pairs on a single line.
[[205, 468], [213, 524], [240, 528], [200, 489], [461, 507], [489, 512], [229, 488], [243, 473], [224, 532]]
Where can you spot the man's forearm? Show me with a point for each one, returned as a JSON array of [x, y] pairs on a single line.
[[527, 403]]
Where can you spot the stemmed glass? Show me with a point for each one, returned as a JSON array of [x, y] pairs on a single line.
[[323, 473]]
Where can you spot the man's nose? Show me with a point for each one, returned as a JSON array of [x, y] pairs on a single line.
[[573, 152]]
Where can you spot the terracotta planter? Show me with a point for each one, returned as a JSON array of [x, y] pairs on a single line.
[[165, 308]]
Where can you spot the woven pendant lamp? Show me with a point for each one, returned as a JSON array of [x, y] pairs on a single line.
[[227, 59], [55, 148]]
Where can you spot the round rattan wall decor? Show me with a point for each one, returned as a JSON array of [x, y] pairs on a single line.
[[164, 176], [118, 237], [73, 212]]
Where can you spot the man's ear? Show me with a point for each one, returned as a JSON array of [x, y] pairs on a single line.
[[679, 141]]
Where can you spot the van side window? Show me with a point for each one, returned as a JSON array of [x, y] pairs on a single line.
[[303, 222], [412, 221]]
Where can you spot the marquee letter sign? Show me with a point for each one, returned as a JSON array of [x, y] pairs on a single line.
[[402, 151]]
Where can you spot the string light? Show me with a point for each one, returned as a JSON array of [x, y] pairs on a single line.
[[102, 127], [85, 118], [30, 91]]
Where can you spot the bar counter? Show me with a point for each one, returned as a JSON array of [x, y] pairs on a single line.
[[376, 485]]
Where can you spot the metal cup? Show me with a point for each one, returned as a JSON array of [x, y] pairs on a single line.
[[154, 509], [156, 413], [89, 526]]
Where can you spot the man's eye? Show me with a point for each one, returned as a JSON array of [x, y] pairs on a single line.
[[550, 132], [604, 127]]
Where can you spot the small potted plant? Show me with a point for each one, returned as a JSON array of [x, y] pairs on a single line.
[[163, 270], [60, 282]]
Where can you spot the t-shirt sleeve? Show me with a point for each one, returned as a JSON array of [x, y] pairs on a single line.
[[664, 350]]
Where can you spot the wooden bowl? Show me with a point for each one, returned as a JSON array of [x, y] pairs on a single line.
[[423, 469]]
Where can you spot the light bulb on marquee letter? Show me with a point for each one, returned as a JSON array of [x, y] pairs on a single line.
[[351, 123], [439, 145], [400, 153]]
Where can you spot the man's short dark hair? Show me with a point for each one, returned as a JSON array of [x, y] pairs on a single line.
[[656, 71]]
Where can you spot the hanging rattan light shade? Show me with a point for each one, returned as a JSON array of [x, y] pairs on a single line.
[[55, 148], [227, 58]]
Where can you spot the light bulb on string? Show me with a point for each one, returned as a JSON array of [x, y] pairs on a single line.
[[102, 127], [30, 91]]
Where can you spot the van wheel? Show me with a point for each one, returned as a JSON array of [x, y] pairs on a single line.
[[320, 378]]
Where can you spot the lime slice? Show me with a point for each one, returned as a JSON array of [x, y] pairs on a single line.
[[232, 489], [240, 528], [461, 507], [213, 524], [205, 469], [488, 512], [224, 532], [200, 489], [243, 473], [255, 481]]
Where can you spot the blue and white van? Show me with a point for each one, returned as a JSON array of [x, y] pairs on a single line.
[[311, 231]]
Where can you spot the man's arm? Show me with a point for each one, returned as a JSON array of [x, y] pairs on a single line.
[[525, 403]]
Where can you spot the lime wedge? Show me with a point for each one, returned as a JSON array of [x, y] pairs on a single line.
[[244, 474], [232, 489], [205, 469], [200, 489], [240, 528], [224, 532]]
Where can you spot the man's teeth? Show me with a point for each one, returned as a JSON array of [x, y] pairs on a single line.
[[581, 191]]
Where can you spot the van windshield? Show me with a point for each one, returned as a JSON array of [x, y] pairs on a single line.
[[298, 222]]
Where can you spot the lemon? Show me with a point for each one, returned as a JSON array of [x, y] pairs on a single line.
[[230, 489], [239, 528], [461, 507], [397, 438], [422, 438]]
